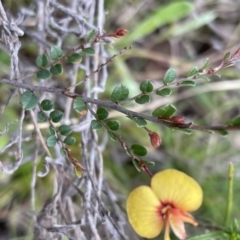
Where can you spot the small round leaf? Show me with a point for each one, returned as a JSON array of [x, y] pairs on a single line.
[[102, 113], [143, 99], [55, 52], [79, 105], [169, 76], [139, 150], [56, 69], [188, 83], [51, 131], [140, 122], [165, 92], [165, 111], [42, 61], [29, 100], [51, 141], [40, 117], [43, 74], [96, 125], [119, 93], [69, 140], [63, 152], [75, 58], [56, 116], [89, 51], [227, 56], [65, 130], [47, 105], [113, 125], [112, 136], [193, 71], [146, 86]]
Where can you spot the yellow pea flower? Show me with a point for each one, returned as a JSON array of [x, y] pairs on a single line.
[[167, 202]]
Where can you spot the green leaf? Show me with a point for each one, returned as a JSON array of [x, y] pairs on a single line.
[[193, 71], [146, 86], [51, 141], [47, 105], [65, 130], [234, 122], [169, 76], [40, 117], [90, 36], [56, 116], [63, 152], [112, 136], [139, 150], [56, 69], [29, 100], [221, 132], [102, 113], [165, 111], [79, 105], [119, 93], [169, 13], [42, 61], [96, 125], [113, 125], [204, 65], [165, 92], [75, 58], [226, 56], [138, 121], [143, 99], [136, 165], [43, 74], [51, 131], [69, 141], [55, 52], [89, 51], [78, 172], [188, 83]]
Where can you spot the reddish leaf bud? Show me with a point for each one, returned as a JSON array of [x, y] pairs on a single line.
[[155, 139], [177, 119], [120, 32]]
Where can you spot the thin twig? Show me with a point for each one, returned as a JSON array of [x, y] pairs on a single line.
[[102, 65], [117, 107]]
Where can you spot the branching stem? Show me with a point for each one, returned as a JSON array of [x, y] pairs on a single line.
[[117, 107]]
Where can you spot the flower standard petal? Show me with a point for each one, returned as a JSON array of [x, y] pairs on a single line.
[[143, 214], [178, 189]]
